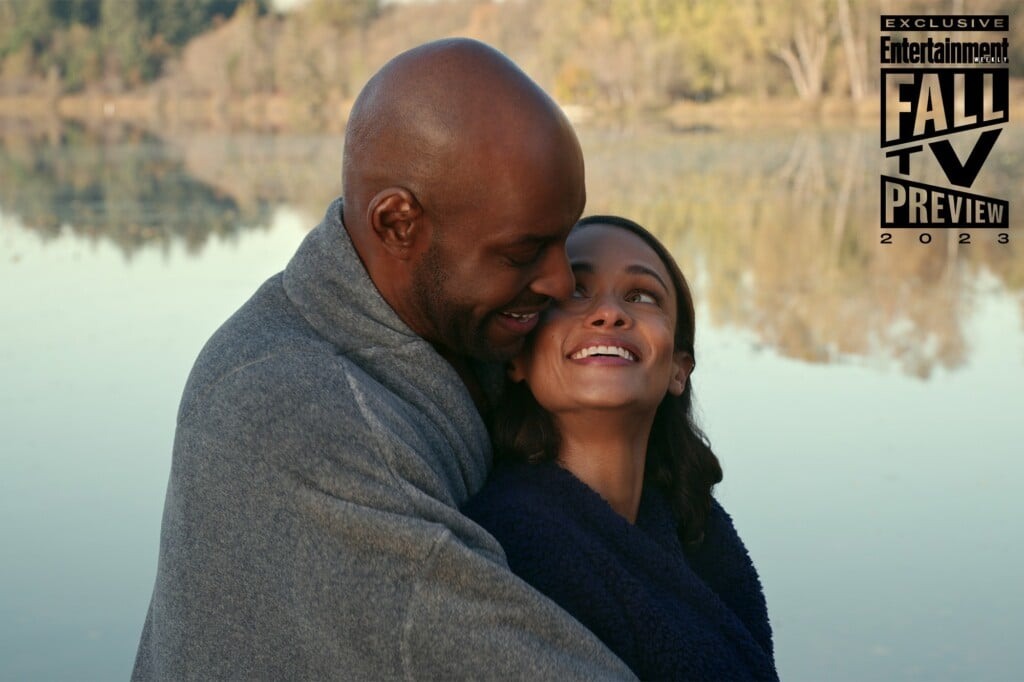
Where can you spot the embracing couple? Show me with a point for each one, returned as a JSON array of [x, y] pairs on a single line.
[[453, 438]]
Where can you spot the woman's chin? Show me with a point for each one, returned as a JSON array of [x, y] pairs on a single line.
[[608, 403]]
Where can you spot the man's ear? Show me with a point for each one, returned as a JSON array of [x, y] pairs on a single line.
[[396, 217], [682, 365]]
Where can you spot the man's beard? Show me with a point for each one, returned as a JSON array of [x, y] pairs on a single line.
[[454, 328]]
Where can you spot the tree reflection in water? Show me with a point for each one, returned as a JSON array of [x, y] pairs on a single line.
[[116, 183], [782, 228], [778, 228]]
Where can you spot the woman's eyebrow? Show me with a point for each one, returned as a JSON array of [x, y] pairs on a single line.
[[637, 269], [634, 269]]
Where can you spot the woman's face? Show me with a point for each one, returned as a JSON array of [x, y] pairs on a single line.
[[609, 346]]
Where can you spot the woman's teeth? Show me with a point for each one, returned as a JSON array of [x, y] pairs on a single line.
[[522, 317], [603, 350]]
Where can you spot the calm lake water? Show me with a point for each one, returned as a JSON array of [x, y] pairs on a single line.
[[865, 399]]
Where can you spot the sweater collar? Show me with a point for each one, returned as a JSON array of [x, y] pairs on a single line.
[[328, 283], [325, 271]]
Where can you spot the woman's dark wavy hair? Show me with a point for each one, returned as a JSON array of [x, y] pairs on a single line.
[[679, 457]]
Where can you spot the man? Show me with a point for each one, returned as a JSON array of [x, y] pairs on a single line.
[[330, 428]]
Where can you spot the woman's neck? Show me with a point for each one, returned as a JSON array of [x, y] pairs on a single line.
[[607, 451]]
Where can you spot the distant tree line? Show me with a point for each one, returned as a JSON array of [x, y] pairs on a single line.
[[659, 51], [113, 43], [603, 53]]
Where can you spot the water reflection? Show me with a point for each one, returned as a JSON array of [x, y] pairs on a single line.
[[778, 227], [117, 184], [783, 228]]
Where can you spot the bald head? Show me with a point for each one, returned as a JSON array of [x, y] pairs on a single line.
[[437, 117], [462, 179]]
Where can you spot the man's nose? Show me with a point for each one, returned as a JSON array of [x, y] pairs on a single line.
[[555, 279]]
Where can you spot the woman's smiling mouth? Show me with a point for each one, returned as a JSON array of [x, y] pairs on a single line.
[[604, 351]]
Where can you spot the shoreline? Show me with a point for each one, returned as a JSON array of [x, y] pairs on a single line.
[[274, 113], [160, 111]]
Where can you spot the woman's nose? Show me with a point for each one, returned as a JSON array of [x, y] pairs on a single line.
[[607, 313]]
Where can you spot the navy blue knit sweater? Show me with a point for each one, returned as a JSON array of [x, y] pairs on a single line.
[[666, 612]]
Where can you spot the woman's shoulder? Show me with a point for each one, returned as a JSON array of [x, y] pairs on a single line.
[[719, 527]]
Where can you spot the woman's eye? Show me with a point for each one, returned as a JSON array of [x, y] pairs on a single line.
[[579, 292], [642, 297]]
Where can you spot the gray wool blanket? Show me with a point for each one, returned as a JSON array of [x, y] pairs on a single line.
[[311, 528]]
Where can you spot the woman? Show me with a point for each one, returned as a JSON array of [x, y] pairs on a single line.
[[601, 496]]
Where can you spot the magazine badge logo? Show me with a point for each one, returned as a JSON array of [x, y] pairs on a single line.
[[945, 102]]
